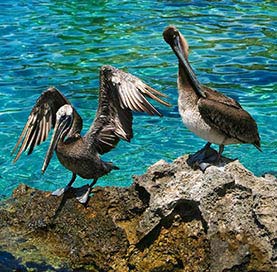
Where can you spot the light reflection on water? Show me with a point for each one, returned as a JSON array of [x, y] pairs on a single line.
[[232, 49]]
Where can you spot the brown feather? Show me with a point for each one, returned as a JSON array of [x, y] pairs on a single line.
[[44, 112], [232, 121], [120, 94]]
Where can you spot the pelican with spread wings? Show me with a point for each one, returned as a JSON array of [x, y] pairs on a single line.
[[120, 93]]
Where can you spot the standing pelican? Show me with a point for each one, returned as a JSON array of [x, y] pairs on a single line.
[[120, 93], [207, 113]]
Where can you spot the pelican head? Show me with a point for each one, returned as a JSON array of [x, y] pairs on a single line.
[[64, 120], [180, 47], [175, 39]]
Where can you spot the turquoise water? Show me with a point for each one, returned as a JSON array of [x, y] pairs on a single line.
[[62, 44]]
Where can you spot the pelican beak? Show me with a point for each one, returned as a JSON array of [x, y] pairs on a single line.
[[177, 48], [59, 130]]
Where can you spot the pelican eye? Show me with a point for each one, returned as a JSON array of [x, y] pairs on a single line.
[[175, 34]]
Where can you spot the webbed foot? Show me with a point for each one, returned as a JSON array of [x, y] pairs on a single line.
[[60, 191], [203, 158], [206, 157], [82, 194], [203, 166]]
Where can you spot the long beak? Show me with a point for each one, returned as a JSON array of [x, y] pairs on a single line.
[[188, 69], [57, 134]]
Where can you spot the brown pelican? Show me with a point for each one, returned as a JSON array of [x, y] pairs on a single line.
[[207, 113], [120, 93]]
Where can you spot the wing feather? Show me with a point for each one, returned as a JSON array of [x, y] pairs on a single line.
[[41, 137], [220, 97], [120, 94], [40, 121], [232, 120]]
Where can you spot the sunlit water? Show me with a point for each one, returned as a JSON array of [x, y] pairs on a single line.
[[64, 43]]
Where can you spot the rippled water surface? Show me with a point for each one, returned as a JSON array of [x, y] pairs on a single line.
[[64, 43]]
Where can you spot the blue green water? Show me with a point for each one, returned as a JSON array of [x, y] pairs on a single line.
[[64, 43]]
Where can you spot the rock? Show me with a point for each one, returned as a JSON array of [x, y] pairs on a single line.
[[172, 218]]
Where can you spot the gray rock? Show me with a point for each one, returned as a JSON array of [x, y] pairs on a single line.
[[172, 218]]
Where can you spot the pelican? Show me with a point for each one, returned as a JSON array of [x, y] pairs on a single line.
[[209, 114], [120, 93]]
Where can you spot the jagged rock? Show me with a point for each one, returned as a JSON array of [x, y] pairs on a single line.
[[171, 219]]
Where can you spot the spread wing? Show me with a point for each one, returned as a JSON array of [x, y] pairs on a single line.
[[120, 94], [229, 117], [41, 119]]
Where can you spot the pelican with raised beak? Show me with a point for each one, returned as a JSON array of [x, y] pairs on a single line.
[[209, 114]]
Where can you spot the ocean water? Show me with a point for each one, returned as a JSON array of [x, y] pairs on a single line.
[[64, 43]]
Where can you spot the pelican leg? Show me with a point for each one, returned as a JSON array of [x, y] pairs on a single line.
[[200, 155], [83, 198], [212, 157], [202, 158], [220, 151], [61, 191]]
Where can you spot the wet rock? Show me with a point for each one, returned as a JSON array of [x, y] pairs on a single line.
[[171, 219]]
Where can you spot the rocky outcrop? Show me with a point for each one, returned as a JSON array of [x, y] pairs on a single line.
[[172, 218]]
